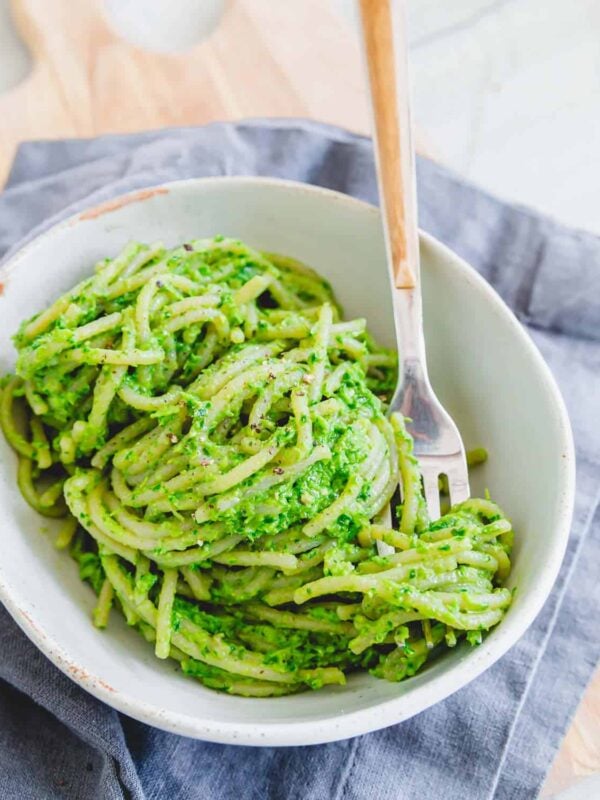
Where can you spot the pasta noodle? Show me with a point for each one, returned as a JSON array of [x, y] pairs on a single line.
[[215, 437]]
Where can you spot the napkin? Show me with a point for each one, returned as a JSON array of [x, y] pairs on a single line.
[[495, 738]]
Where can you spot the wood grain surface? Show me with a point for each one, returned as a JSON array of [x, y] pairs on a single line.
[[262, 61], [267, 58]]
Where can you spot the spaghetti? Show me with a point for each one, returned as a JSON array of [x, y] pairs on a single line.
[[214, 436]]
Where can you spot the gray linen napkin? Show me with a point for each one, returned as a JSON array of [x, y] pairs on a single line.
[[494, 739]]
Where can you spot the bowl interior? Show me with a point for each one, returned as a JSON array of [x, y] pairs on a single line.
[[482, 365]]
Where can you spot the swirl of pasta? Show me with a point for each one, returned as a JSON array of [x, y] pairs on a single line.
[[214, 435]]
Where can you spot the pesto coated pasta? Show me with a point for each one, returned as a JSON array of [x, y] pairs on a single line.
[[214, 435]]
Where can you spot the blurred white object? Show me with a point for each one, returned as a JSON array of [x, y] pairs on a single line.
[[15, 63], [166, 26]]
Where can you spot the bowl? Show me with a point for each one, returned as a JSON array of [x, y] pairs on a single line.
[[483, 366]]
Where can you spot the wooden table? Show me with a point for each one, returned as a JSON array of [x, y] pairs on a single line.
[[262, 61]]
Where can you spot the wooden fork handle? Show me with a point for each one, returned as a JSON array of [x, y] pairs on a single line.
[[383, 25]]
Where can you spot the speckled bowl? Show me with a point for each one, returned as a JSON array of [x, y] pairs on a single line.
[[483, 366]]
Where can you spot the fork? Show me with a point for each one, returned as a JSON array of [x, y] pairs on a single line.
[[438, 446]]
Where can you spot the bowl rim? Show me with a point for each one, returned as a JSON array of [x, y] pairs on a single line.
[[380, 714]]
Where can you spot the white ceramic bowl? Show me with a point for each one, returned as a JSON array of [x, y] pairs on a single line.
[[483, 366]]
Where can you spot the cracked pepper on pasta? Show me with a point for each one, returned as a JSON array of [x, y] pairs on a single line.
[[215, 436]]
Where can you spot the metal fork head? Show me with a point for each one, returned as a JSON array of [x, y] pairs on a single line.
[[455, 469], [438, 446]]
